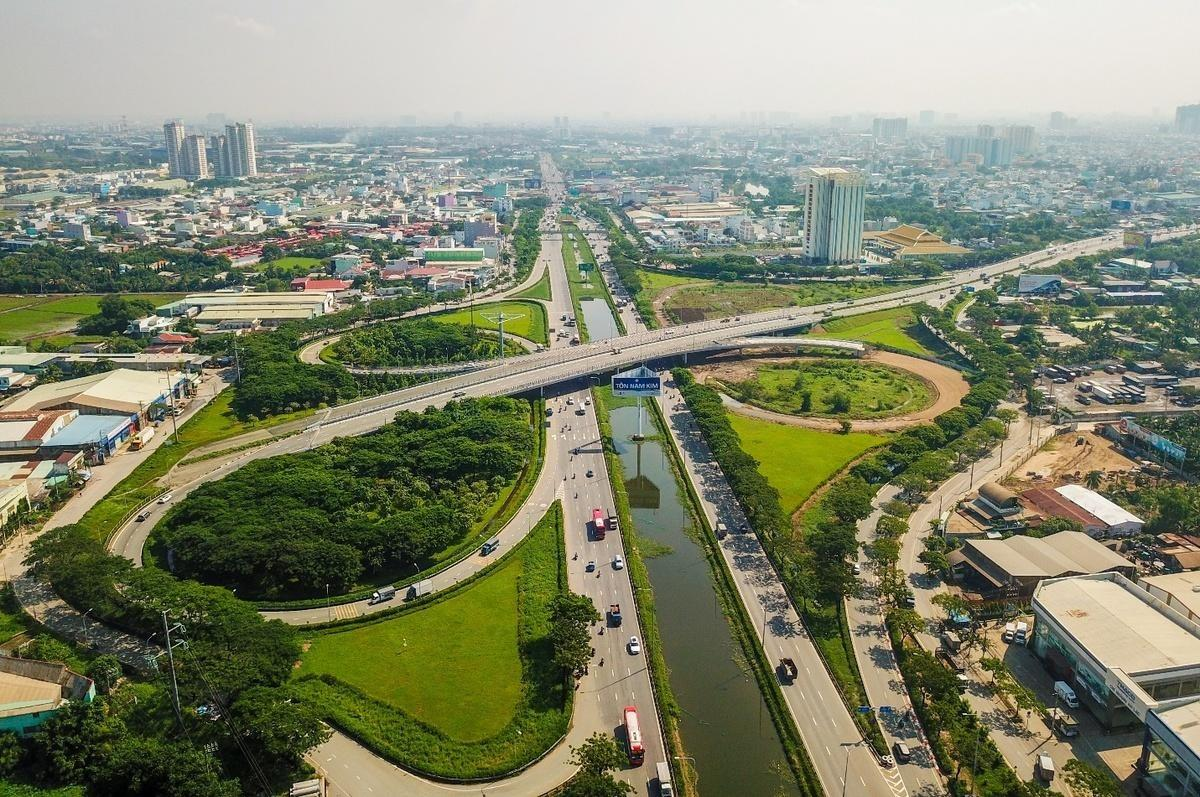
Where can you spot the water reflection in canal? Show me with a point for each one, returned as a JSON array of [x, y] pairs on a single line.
[[725, 725]]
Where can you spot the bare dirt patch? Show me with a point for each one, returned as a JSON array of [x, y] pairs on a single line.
[[1068, 459], [947, 384]]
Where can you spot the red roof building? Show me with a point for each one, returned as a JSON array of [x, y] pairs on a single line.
[[308, 284]]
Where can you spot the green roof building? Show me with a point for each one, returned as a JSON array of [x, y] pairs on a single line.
[[461, 254]]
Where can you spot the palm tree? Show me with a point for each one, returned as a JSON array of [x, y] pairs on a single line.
[[1092, 479]]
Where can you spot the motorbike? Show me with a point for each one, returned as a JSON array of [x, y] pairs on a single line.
[[601, 630], [601, 662], [576, 556]]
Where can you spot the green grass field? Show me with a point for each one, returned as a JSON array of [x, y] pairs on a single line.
[[298, 266], [655, 282], [796, 460], [885, 327], [531, 324], [39, 315], [454, 665], [12, 617], [872, 390], [720, 299], [464, 687], [539, 290]]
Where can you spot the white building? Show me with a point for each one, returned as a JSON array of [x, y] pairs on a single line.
[[173, 133], [1120, 521], [240, 151], [833, 219], [193, 159]]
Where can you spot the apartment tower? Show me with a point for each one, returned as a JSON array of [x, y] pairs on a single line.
[[833, 218]]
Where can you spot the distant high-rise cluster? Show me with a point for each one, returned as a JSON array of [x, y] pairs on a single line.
[[990, 147], [1187, 119], [1060, 121], [232, 155], [890, 129], [562, 127], [833, 217]]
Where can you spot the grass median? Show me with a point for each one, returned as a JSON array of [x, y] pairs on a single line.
[[454, 690]]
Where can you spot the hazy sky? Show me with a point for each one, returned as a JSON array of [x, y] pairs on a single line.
[[345, 61]]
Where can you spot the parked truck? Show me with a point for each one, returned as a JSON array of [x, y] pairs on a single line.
[[383, 594], [1022, 634], [420, 589]]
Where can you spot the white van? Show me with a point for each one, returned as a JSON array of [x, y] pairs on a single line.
[[1066, 694]]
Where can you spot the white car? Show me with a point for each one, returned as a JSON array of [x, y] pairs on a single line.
[[635, 647], [162, 499], [570, 401], [618, 563]]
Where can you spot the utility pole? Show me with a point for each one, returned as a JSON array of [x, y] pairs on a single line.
[[167, 629], [171, 394], [237, 362]]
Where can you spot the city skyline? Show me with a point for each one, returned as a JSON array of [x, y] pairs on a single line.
[[1009, 60]]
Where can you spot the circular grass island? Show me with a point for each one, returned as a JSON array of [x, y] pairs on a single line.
[[829, 388]]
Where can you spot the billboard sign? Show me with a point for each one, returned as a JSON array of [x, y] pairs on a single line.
[[638, 383], [1160, 444]]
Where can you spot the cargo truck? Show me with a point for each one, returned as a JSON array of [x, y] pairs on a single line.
[[383, 594], [614, 614], [420, 589]]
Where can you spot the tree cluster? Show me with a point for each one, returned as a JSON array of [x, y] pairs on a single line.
[[234, 660], [416, 342], [288, 526], [55, 269]]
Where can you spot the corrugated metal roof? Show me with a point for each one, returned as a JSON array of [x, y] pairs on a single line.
[[1096, 504]]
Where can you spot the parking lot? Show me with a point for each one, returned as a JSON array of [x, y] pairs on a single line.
[[1026, 734], [1067, 395]]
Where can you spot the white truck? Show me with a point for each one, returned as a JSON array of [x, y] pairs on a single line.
[[1021, 637], [420, 589], [383, 594], [665, 789]]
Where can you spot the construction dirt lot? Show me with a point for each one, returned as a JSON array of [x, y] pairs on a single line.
[[1068, 458], [947, 384]]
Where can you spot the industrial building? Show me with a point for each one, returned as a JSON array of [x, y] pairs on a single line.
[[1099, 516], [1012, 568], [250, 310], [137, 396], [31, 691], [1125, 652]]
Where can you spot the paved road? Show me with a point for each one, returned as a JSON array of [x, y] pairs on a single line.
[[39, 599], [830, 735]]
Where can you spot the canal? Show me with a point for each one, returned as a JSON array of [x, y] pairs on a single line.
[[725, 724], [599, 319]]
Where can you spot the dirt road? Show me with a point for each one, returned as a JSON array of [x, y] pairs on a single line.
[[948, 387]]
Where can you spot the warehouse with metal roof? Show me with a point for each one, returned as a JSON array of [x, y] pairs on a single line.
[[1012, 568]]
